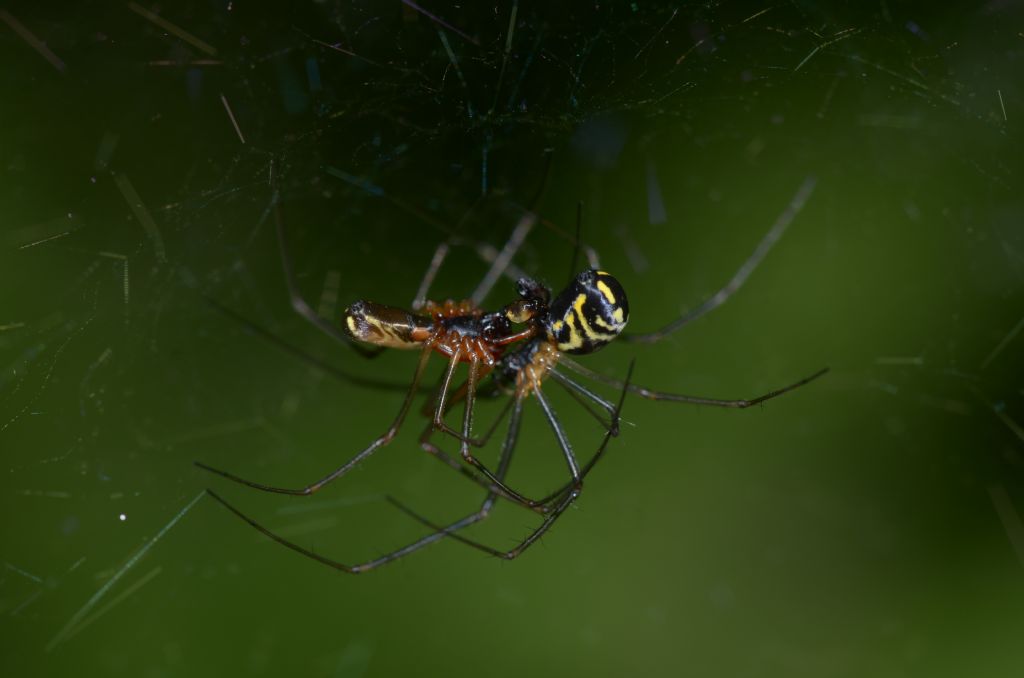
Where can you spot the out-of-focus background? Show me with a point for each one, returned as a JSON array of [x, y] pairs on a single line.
[[867, 524]]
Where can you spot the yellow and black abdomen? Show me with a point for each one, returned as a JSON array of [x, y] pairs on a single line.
[[588, 314], [386, 326]]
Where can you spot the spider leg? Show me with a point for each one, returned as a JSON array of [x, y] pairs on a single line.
[[441, 406], [556, 428], [300, 305], [500, 261], [650, 394], [477, 516], [740, 276], [429, 446], [612, 430], [449, 400], [381, 441], [450, 531], [522, 229], [352, 569], [493, 482], [481, 514], [497, 482], [578, 391], [337, 565], [504, 257], [440, 254], [441, 401], [569, 495], [467, 456], [485, 251], [293, 350]]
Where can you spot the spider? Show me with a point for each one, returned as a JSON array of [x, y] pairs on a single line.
[[519, 347]]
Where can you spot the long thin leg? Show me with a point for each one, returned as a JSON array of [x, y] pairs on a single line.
[[494, 482], [491, 479], [464, 450], [443, 401], [501, 262], [475, 442], [351, 569], [514, 242], [556, 428], [549, 520], [381, 441], [488, 481], [740, 276], [578, 391], [507, 448], [295, 351], [679, 398], [479, 515], [613, 431], [586, 406], [498, 484], [487, 252], [441, 407], [569, 497], [300, 305], [440, 254], [428, 278]]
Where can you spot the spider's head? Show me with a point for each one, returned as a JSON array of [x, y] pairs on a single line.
[[588, 314], [533, 298]]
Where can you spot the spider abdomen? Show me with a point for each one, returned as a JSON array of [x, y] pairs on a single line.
[[588, 314], [386, 326]]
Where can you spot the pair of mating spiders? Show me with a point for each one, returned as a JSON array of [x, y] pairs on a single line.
[[519, 348]]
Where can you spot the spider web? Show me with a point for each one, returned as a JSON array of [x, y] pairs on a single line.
[[146, 143]]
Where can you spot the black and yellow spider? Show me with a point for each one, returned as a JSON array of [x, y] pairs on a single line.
[[513, 350]]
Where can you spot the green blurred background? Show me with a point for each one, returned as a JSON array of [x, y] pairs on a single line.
[[867, 524]]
